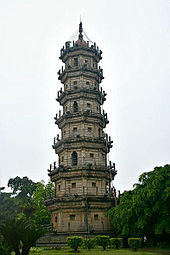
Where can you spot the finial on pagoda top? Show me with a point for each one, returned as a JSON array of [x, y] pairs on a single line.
[[80, 31]]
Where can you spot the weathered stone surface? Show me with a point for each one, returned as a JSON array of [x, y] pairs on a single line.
[[82, 177]]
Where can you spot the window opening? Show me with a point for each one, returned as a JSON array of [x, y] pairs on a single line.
[[75, 61], [89, 129], [75, 129], [73, 185], [74, 158], [72, 216], [96, 216], [91, 155], [93, 184], [75, 106]]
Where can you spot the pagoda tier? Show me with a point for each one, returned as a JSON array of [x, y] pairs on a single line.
[[82, 92]]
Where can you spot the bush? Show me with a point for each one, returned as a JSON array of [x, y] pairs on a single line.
[[116, 242], [4, 249], [74, 242], [134, 243], [88, 243], [102, 241]]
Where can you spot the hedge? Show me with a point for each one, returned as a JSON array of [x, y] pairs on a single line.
[[102, 241], [116, 242], [74, 242], [134, 243], [88, 243]]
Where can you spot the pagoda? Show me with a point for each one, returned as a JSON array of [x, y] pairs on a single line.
[[82, 174]]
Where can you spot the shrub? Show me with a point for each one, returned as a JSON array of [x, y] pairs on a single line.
[[74, 242], [88, 243], [4, 248], [116, 242], [102, 241], [134, 243]]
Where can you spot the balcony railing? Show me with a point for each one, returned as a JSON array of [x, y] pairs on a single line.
[[85, 89], [89, 113], [83, 67], [53, 166], [72, 46], [77, 137], [84, 163], [112, 170]]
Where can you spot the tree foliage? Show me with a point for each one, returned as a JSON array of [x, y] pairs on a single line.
[[116, 242], [4, 248], [10, 233], [144, 210], [103, 241], [88, 243], [20, 233], [23, 187], [8, 207], [26, 201], [41, 214], [75, 242], [134, 243]]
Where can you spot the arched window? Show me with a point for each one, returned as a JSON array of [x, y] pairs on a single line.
[[74, 158], [75, 106]]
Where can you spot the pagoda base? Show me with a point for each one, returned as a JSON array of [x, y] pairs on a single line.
[[60, 239]]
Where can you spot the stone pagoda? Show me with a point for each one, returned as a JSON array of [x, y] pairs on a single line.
[[82, 174]]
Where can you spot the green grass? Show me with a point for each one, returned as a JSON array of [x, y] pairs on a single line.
[[98, 251]]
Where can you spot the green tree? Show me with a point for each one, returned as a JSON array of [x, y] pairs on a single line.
[[42, 215], [23, 187], [29, 234], [10, 232], [4, 248], [26, 201], [20, 233], [143, 211], [8, 208]]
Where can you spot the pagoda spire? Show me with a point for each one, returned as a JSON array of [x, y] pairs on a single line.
[[80, 31]]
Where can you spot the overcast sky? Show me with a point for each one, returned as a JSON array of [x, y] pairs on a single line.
[[134, 36]]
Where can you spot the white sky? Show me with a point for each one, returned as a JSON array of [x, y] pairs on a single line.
[[134, 36]]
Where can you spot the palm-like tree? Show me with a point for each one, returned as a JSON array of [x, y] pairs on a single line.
[[11, 235], [29, 235], [21, 233]]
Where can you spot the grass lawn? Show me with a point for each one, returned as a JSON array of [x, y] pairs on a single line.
[[99, 251]]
